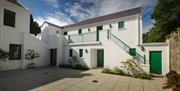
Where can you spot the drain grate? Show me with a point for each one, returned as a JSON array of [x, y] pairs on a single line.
[[45, 73]]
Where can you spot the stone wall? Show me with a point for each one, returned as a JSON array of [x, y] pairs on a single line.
[[174, 41]]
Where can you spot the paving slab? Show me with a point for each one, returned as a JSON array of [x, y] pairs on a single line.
[[61, 79]]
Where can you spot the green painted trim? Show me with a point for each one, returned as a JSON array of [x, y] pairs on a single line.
[[97, 35], [144, 59]]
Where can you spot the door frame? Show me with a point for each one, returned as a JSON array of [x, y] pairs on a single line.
[[151, 63], [51, 59]]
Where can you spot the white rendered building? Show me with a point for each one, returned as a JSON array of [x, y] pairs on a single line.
[[104, 41]]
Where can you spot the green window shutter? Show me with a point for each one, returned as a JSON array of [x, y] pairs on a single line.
[[80, 52], [80, 31], [121, 24], [132, 51], [70, 52], [97, 32]]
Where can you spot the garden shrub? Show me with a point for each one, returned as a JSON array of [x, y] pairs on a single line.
[[117, 70], [141, 75], [107, 70], [114, 70]]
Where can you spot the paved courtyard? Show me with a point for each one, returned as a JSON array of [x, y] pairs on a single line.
[[60, 79]]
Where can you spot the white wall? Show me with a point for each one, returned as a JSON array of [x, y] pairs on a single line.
[[31, 42], [158, 47], [53, 40], [6, 38], [22, 19]]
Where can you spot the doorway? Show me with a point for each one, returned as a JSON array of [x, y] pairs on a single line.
[[100, 58], [53, 57], [156, 62]]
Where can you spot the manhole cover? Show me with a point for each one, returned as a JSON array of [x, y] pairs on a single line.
[[95, 81], [45, 73]]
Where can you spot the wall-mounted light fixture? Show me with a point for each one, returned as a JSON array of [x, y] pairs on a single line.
[[110, 26], [142, 48], [89, 29]]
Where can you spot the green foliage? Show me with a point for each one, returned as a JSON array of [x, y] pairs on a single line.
[[141, 75], [117, 70], [31, 55], [77, 66], [74, 63], [107, 70], [34, 26], [130, 65], [3, 55], [167, 17], [74, 60], [114, 70], [171, 79]]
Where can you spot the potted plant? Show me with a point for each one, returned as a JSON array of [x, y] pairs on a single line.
[[173, 81], [30, 56]]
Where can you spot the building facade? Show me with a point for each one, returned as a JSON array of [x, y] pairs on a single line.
[[15, 36], [104, 41], [109, 40]]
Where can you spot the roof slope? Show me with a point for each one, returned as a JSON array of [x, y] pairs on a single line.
[[16, 2], [107, 17]]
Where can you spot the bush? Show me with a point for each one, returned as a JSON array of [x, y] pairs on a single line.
[[77, 66], [114, 70], [117, 70], [107, 70], [141, 75], [171, 79]]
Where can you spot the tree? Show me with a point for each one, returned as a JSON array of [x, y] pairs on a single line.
[[167, 19], [3, 55], [34, 26], [31, 55]]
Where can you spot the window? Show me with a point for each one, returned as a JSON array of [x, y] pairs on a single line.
[[70, 52], [65, 33], [9, 18], [57, 32], [80, 31], [80, 52], [14, 52], [99, 27], [121, 24]]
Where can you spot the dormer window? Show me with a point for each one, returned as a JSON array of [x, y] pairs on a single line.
[[9, 18]]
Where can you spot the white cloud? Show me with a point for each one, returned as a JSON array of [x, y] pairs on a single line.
[[57, 18], [147, 28], [53, 3]]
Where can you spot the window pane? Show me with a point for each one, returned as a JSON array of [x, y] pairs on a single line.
[[15, 51], [9, 18], [121, 24], [65, 33], [80, 52], [70, 52], [80, 31], [99, 27]]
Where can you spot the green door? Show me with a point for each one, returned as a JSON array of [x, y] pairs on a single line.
[[156, 62], [100, 58]]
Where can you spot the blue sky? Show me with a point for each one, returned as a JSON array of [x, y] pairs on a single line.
[[63, 12]]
